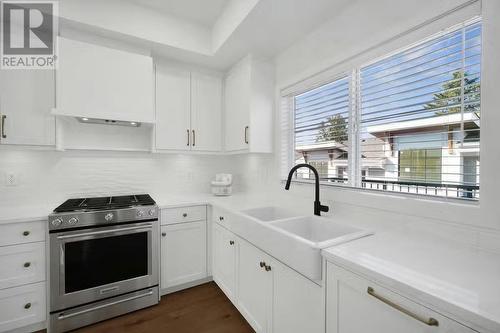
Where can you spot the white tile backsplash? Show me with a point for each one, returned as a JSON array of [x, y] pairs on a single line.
[[49, 177]]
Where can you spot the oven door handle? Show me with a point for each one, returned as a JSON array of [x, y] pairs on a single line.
[[69, 315], [102, 232]]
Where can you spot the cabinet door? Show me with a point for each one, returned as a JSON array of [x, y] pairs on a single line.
[[26, 100], [173, 108], [183, 253], [224, 260], [254, 286], [206, 112], [237, 107], [297, 302], [383, 311], [22, 306]]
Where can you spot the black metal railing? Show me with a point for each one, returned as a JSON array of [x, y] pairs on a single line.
[[465, 191]]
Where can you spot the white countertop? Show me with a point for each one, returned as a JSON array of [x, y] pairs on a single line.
[[24, 214], [458, 281]]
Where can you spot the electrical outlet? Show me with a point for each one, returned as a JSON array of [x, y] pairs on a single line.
[[11, 179]]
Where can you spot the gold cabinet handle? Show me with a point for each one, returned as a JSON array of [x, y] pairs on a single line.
[[188, 137], [428, 321]]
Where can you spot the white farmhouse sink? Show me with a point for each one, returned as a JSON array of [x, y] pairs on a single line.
[[295, 240], [319, 232], [270, 213]]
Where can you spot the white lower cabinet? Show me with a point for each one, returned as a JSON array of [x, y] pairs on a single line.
[[22, 264], [183, 253], [355, 304], [22, 276], [298, 304], [271, 296], [254, 286], [225, 251], [22, 306]]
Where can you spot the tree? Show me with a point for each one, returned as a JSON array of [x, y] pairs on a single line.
[[335, 129], [451, 94]]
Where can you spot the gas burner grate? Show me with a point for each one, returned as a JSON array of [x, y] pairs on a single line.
[[104, 203]]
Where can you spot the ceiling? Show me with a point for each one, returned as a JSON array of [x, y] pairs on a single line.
[[204, 12]]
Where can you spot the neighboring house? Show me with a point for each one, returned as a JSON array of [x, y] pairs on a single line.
[[417, 156]]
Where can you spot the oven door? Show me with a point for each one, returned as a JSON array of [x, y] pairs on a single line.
[[96, 263]]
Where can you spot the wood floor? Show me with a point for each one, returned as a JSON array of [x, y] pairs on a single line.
[[202, 309]]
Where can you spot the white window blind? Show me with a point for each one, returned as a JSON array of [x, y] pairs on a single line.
[[321, 130], [413, 116], [420, 117]]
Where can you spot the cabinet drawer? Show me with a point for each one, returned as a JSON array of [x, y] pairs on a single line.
[[24, 232], [22, 264], [22, 306], [183, 214], [351, 297]]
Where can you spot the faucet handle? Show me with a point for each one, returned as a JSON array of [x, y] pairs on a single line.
[[324, 208]]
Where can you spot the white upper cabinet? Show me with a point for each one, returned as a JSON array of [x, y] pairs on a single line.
[[237, 99], [99, 82], [249, 104], [26, 100], [173, 108], [188, 110], [206, 115]]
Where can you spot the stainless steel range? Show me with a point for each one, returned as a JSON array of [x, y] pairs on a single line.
[[103, 259]]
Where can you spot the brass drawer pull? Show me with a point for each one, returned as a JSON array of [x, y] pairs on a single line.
[[430, 321]]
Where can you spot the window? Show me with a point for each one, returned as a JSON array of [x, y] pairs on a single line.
[[321, 130], [416, 115]]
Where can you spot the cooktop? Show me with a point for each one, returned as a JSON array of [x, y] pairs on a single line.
[[105, 203]]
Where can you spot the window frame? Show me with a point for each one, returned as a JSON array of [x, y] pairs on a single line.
[[353, 73]]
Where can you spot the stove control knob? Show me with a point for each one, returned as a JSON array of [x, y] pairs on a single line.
[[108, 217], [73, 221], [152, 212], [140, 213], [56, 222]]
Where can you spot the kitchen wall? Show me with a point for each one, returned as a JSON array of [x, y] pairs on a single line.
[[49, 177], [355, 36]]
